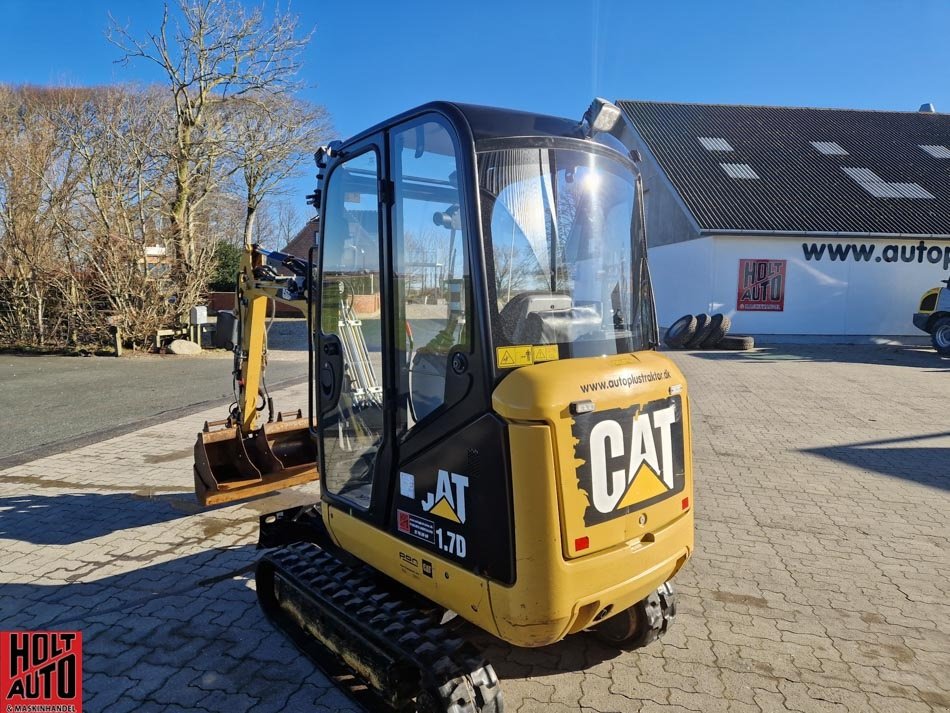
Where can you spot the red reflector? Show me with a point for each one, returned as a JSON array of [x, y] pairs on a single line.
[[581, 543], [685, 503]]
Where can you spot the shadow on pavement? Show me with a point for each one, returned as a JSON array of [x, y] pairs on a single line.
[[188, 634], [920, 357], [578, 652], [924, 464], [71, 518], [185, 633]]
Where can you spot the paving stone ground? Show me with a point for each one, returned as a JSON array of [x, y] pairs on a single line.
[[820, 580]]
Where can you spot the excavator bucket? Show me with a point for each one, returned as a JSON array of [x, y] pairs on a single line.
[[285, 446], [230, 467]]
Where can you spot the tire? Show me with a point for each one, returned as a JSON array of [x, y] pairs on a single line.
[[737, 343], [718, 329], [703, 325], [940, 336], [642, 624], [681, 331]]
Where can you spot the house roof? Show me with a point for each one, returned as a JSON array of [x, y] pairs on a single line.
[[301, 243], [774, 179]]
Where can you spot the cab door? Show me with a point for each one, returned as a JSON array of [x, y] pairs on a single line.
[[350, 361]]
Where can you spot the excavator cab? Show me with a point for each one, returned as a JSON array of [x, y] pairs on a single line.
[[496, 434]]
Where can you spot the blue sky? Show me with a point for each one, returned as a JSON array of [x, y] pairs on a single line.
[[369, 60]]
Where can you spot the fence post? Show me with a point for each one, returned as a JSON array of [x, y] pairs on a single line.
[[116, 339]]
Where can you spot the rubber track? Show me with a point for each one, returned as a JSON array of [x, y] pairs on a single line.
[[449, 667]]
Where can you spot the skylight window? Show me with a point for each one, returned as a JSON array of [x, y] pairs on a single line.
[[714, 143], [879, 188], [863, 175], [912, 190], [936, 151], [739, 170], [829, 148]]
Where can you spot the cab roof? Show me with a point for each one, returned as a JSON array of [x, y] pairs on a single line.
[[486, 123]]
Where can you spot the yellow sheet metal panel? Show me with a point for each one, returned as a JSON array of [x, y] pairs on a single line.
[[441, 581], [558, 588], [550, 592], [624, 468]]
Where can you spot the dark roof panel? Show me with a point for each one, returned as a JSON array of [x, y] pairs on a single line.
[[486, 122], [492, 123], [799, 188]]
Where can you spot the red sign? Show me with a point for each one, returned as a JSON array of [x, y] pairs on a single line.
[[41, 671], [761, 286]]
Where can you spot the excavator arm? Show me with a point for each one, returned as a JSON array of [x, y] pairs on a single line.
[[255, 450]]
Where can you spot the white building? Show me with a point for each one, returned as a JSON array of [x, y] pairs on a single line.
[[795, 221]]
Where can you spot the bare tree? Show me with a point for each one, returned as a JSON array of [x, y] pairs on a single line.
[[216, 52], [37, 182], [271, 141], [114, 136], [278, 221], [288, 220], [112, 200]]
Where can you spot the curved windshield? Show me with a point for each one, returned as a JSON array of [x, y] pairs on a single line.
[[565, 268]]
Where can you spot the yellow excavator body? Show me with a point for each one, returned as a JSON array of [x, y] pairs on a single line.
[[497, 440], [560, 589]]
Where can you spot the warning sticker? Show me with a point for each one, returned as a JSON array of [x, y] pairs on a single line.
[[407, 485], [416, 526], [547, 352], [508, 357]]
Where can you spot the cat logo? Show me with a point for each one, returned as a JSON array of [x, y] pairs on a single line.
[[449, 498], [632, 457]]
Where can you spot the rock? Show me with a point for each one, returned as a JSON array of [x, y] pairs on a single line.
[[184, 346]]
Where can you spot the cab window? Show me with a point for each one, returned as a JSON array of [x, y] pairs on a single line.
[[430, 256]]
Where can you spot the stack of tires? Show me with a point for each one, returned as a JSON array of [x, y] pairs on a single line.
[[704, 332]]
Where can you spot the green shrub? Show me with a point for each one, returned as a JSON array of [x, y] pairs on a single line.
[[227, 263]]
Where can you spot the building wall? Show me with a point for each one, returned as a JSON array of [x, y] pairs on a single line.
[[846, 296]]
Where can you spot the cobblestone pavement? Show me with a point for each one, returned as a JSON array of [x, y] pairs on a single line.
[[820, 581]]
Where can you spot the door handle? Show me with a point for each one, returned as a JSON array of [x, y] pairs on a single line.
[[331, 373], [327, 379]]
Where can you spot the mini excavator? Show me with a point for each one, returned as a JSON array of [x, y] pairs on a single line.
[[496, 438]]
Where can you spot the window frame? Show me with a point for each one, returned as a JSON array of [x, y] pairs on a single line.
[[383, 457], [469, 254], [576, 349]]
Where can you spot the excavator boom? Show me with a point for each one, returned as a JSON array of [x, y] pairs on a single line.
[[243, 455]]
